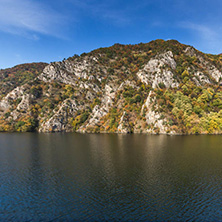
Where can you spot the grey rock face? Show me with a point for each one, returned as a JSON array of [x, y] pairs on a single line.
[[98, 87], [159, 70], [207, 65], [5, 103], [124, 125], [59, 120], [153, 117]]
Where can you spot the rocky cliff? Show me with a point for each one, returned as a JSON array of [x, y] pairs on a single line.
[[158, 87]]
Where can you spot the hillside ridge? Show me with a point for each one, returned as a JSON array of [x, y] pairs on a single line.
[[157, 87]]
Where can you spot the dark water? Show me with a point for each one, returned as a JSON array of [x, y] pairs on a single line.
[[67, 177]]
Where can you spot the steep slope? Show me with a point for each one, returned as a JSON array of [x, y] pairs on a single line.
[[12, 77], [158, 87]]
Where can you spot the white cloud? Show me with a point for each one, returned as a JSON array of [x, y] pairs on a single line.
[[27, 16], [208, 36], [104, 10], [203, 30]]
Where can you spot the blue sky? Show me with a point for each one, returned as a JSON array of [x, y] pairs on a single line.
[[50, 30]]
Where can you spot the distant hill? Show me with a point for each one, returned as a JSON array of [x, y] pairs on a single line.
[[19, 75], [158, 87]]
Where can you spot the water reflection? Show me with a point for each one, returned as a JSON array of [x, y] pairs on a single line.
[[110, 177]]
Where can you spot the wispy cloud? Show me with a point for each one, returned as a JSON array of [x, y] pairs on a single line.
[[104, 10], [208, 36], [27, 17], [205, 31]]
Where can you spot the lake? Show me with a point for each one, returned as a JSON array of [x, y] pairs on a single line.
[[74, 177]]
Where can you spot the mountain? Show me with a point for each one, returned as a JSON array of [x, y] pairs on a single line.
[[159, 87], [18, 75]]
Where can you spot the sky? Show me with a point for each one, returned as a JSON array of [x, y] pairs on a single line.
[[51, 30]]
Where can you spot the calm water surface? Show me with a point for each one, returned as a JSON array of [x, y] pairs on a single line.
[[67, 177]]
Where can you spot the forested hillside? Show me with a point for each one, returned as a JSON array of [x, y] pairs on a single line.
[[18, 75], [158, 87]]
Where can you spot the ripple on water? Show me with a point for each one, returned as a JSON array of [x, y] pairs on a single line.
[[110, 177]]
